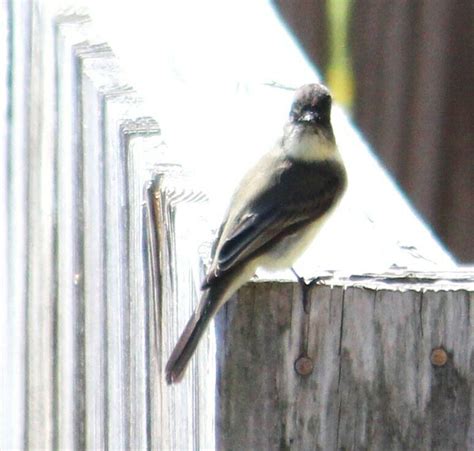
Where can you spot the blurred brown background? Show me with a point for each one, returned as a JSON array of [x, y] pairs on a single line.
[[412, 66]]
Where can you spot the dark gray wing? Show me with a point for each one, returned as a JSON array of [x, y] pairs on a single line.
[[297, 195]]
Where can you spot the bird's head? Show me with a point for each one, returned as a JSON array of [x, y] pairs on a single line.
[[308, 134], [311, 106]]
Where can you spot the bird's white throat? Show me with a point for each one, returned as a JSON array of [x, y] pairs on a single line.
[[309, 146]]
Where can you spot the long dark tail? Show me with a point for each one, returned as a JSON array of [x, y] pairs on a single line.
[[194, 330]]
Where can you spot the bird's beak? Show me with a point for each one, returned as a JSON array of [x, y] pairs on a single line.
[[309, 116]]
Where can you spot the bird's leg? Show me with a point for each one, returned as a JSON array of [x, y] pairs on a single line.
[[304, 290], [305, 286], [304, 363]]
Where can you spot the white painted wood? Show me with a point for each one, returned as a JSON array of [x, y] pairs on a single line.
[[40, 356], [116, 300], [119, 104], [92, 66], [188, 409], [70, 396], [142, 146], [17, 68], [114, 339], [5, 392]]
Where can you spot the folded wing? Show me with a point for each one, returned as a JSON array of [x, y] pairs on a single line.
[[298, 194]]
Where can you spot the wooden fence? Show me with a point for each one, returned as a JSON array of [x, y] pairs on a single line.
[[107, 237]]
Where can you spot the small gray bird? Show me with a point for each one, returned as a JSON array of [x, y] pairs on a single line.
[[274, 213]]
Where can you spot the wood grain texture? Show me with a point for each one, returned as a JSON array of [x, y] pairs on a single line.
[[373, 384]]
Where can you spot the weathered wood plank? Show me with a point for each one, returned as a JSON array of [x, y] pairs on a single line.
[[373, 384], [448, 323]]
